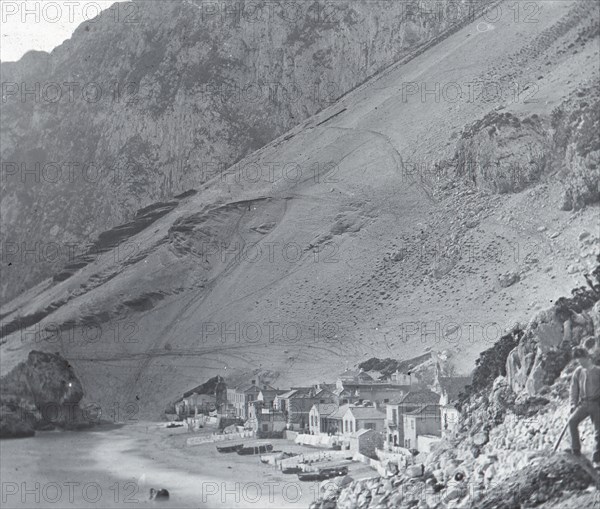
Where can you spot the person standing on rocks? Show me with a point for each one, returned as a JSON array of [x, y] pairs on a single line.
[[585, 401], [592, 346]]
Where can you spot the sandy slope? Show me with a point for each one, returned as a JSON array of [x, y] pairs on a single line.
[[325, 238]]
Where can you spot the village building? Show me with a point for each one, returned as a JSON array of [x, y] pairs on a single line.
[[449, 388], [296, 405], [265, 421], [351, 377], [366, 441], [267, 397], [358, 386], [333, 423], [363, 417], [198, 401], [395, 410], [404, 378], [320, 417], [242, 395], [425, 420]]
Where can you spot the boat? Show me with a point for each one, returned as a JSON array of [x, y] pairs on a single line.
[[254, 449], [323, 474], [292, 470], [229, 447]]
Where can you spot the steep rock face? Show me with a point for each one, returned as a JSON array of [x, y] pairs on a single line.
[[134, 110]]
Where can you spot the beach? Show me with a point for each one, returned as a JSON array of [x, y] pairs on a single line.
[[115, 467]]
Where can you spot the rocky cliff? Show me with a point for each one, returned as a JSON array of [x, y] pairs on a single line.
[[138, 107]]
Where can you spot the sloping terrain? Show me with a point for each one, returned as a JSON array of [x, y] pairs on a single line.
[[351, 243], [136, 109]]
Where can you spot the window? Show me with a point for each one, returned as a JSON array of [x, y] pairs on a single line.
[[351, 426], [265, 427], [369, 425], [386, 400], [412, 424], [394, 415]]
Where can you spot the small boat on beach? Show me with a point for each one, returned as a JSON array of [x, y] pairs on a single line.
[[255, 449], [229, 448]]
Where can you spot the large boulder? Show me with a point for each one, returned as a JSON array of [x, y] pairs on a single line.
[[41, 392], [545, 329]]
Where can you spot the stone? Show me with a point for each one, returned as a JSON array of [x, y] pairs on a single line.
[[415, 470], [508, 279], [481, 438], [583, 235]]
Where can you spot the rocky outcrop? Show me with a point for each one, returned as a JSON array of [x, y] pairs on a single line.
[[40, 393], [543, 352], [506, 153], [576, 149], [503, 153]]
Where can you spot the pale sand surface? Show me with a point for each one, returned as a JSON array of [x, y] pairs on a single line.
[[124, 463]]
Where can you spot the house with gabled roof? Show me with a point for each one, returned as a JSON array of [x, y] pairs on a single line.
[[395, 410], [318, 418], [267, 397], [449, 388], [333, 423], [424, 420], [363, 417], [296, 404], [353, 377], [240, 396]]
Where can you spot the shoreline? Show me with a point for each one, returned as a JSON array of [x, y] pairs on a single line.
[[116, 467]]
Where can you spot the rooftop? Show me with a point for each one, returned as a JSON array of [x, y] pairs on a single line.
[[367, 413], [356, 376], [425, 410], [326, 409], [339, 413]]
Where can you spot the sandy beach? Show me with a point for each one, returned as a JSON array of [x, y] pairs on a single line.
[[116, 467]]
